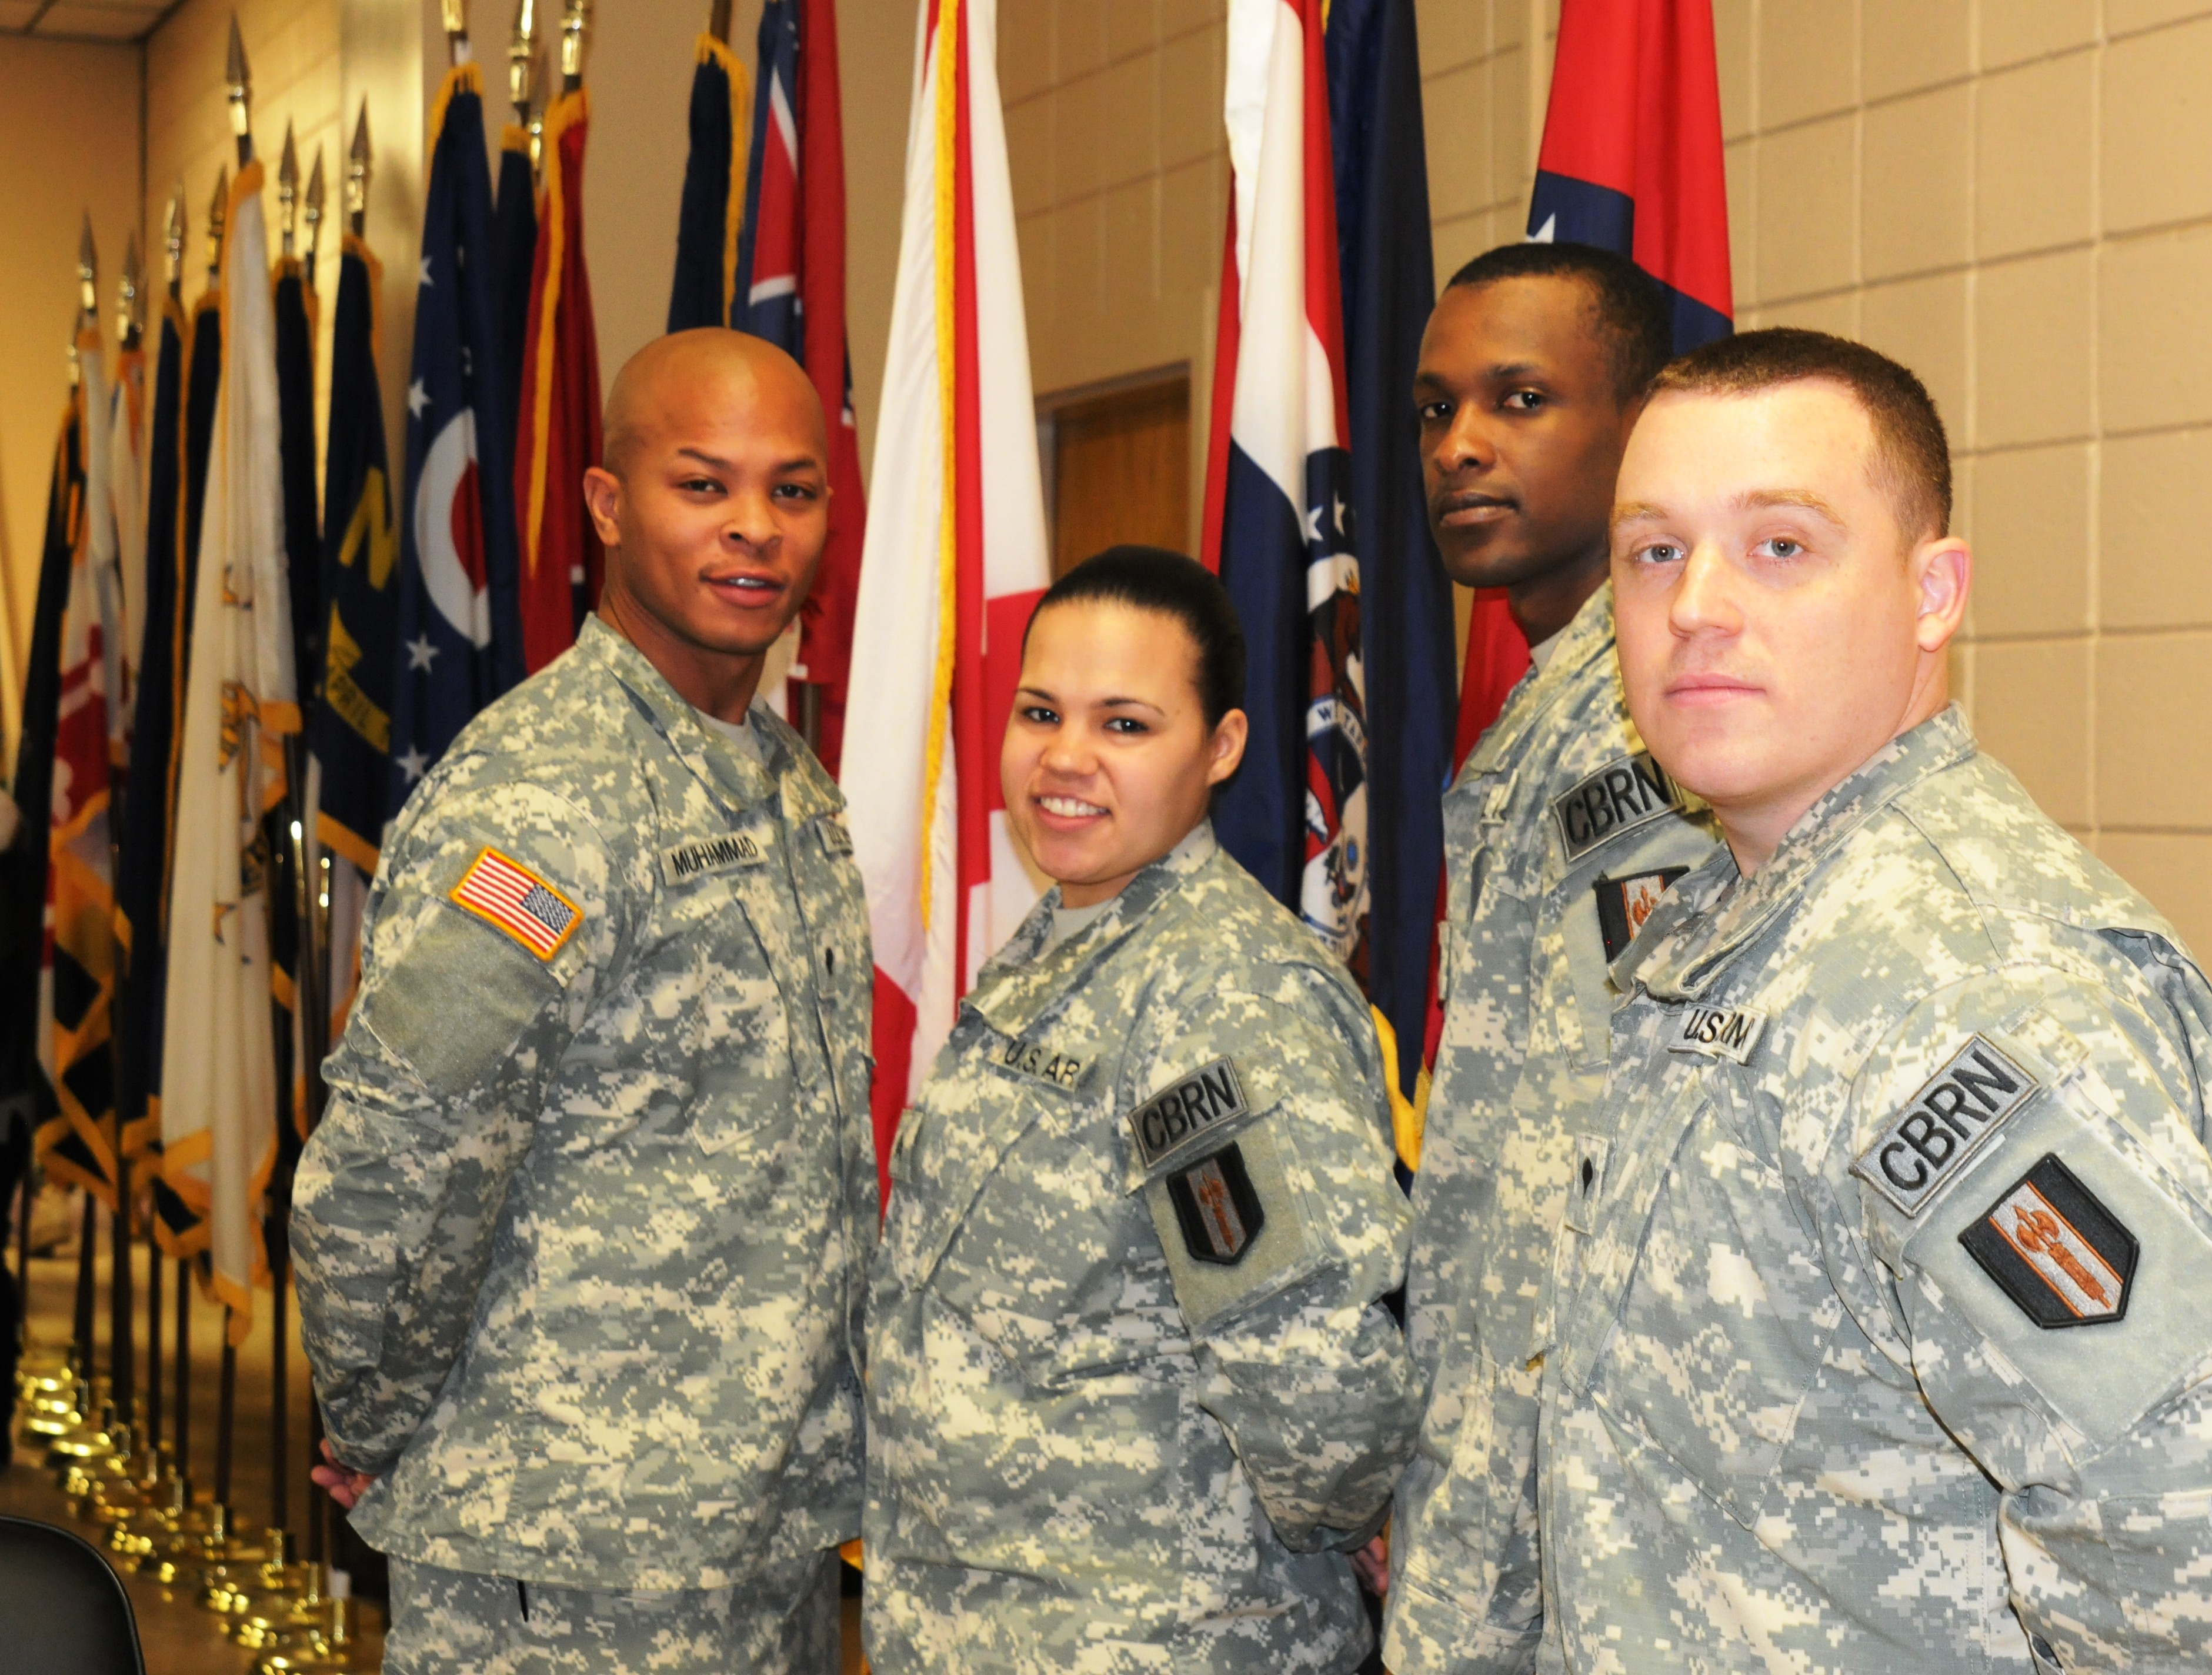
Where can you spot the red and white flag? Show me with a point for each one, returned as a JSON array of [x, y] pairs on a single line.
[[955, 558]]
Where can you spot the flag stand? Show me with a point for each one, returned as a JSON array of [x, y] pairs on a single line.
[[226, 1412], [121, 1359], [152, 1338], [183, 1365], [80, 1327]]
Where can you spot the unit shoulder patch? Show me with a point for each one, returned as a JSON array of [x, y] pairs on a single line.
[[1717, 1032], [504, 893], [1954, 1111], [1219, 1212], [1621, 796], [1624, 903], [2055, 1250], [681, 863], [1034, 1058], [1183, 1115]]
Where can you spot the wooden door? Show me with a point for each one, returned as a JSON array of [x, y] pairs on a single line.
[[1120, 470]]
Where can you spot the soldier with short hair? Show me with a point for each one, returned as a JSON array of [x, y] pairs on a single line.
[[1881, 1342], [1560, 834], [582, 1237]]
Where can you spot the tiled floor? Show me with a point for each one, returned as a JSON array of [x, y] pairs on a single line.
[[179, 1639]]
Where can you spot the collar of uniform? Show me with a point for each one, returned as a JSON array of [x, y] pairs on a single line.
[[1700, 924], [1587, 638], [718, 763], [1016, 983]]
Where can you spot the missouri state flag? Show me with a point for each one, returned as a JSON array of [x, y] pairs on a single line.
[[789, 288], [459, 637], [1279, 487], [955, 559]]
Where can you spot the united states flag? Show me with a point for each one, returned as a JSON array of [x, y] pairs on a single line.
[[518, 901]]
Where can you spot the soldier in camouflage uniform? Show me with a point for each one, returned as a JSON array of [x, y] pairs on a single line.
[[1559, 835], [1132, 1392], [1882, 1342], [582, 1240]]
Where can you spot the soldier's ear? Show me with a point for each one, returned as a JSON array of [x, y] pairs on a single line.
[[1225, 749], [1942, 575], [603, 498]]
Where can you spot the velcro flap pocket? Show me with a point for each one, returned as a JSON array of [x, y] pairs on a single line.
[[2067, 1255], [455, 1005], [1232, 1224]]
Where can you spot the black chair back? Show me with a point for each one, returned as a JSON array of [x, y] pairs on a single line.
[[63, 1610]]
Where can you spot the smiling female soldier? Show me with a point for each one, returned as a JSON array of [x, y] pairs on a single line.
[[1132, 1393]]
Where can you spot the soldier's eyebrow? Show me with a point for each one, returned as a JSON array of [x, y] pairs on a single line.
[[1131, 703], [1636, 512], [1801, 500], [705, 458]]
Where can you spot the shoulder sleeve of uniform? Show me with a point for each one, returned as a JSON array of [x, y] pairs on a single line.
[[496, 903], [1255, 1117], [2027, 1153]]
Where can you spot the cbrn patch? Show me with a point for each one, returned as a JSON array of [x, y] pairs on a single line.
[[1623, 795], [2055, 1250], [1183, 1115], [1219, 1212], [1624, 903], [1956, 1110]]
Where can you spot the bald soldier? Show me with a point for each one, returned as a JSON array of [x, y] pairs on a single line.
[[581, 1240]]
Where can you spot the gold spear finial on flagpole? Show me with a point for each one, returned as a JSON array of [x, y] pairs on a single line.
[[456, 14], [358, 163], [575, 17], [287, 192], [173, 241], [536, 128], [87, 276], [315, 212], [217, 211], [130, 306], [522, 61], [238, 80]]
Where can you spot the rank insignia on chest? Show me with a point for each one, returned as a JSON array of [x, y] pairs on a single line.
[[1717, 1032], [1624, 903], [1618, 798], [507, 895], [681, 863], [2055, 1250], [1220, 1213], [1954, 1111], [1182, 1115], [1062, 1070]]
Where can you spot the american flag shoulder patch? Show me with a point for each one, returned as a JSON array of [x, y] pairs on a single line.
[[503, 892]]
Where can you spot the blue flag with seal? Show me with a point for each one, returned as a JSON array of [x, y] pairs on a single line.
[[1387, 268], [458, 639]]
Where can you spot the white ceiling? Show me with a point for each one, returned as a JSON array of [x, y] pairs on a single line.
[[82, 20]]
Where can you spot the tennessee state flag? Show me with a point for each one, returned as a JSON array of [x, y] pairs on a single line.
[[1279, 485], [558, 435], [955, 560], [790, 288], [1632, 155]]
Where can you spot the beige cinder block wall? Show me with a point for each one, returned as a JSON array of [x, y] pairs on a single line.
[[2014, 197], [68, 145]]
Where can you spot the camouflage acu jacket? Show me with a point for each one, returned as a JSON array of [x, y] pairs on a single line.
[[1888, 1346], [1130, 1386], [582, 1238], [1561, 835]]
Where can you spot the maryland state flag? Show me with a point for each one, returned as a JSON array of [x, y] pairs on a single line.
[[79, 1142], [458, 637], [952, 571], [142, 862], [714, 191], [1280, 488], [350, 735], [218, 1076], [789, 288], [558, 437]]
